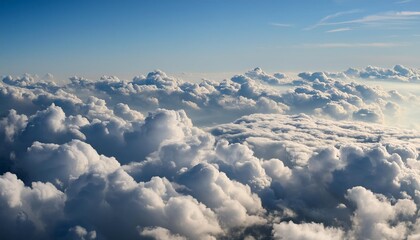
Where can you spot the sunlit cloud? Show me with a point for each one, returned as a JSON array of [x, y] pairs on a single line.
[[87, 152], [252, 129]]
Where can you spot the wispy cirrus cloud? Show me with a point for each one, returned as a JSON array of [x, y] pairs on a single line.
[[338, 30], [388, 17], [385, 18], [326, 20], [352, 45], [403, 1], [285, 25]]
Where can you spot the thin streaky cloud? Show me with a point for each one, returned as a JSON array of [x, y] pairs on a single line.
[[387, 17], [338, 30], [332, 16], [285, 25], [353, 45], [403, 1]]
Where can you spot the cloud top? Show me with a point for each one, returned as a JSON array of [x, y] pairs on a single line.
[[256, 156]]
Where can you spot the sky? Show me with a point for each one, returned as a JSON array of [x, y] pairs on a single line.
[[300, 147], [91, 38]]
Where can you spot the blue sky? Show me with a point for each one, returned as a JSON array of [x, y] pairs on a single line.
[[126, 38]]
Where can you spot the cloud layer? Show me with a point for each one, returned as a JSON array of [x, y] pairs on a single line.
[[254, 156], [399, 73]]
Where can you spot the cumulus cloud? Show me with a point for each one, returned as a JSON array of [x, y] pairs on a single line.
[[160, 233], [324, 93], [290, 230], [259, 74], [254, 156], [373, 215], [81, 233], [398, 73], [61, 164], [316, 185], [29, 211]]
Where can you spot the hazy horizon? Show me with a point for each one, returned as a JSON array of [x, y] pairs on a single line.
[[93, 38]]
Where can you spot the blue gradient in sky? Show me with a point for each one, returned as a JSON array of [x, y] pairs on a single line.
[[125, 38]]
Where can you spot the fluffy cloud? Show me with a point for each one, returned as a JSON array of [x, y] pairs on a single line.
[[319, 183], [81, 233], [259, 74], [317, 92], [29, 212], [160, 233], [399, 73], [292, 231], [60, 164], [76, 168], [308, 158], [374, 214]]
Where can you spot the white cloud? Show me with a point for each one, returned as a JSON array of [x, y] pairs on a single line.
[[326, 20], [354, 45], [339, 30], [28, 212], [373, 215], [105, 160], [398, 73], [284, 25], [81, 233], [384, 19], [60, 164], [403, 1], [305, 231], [160, 233]]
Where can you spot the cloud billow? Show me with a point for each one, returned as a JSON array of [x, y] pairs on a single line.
[[117, 159], [398, 73]]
